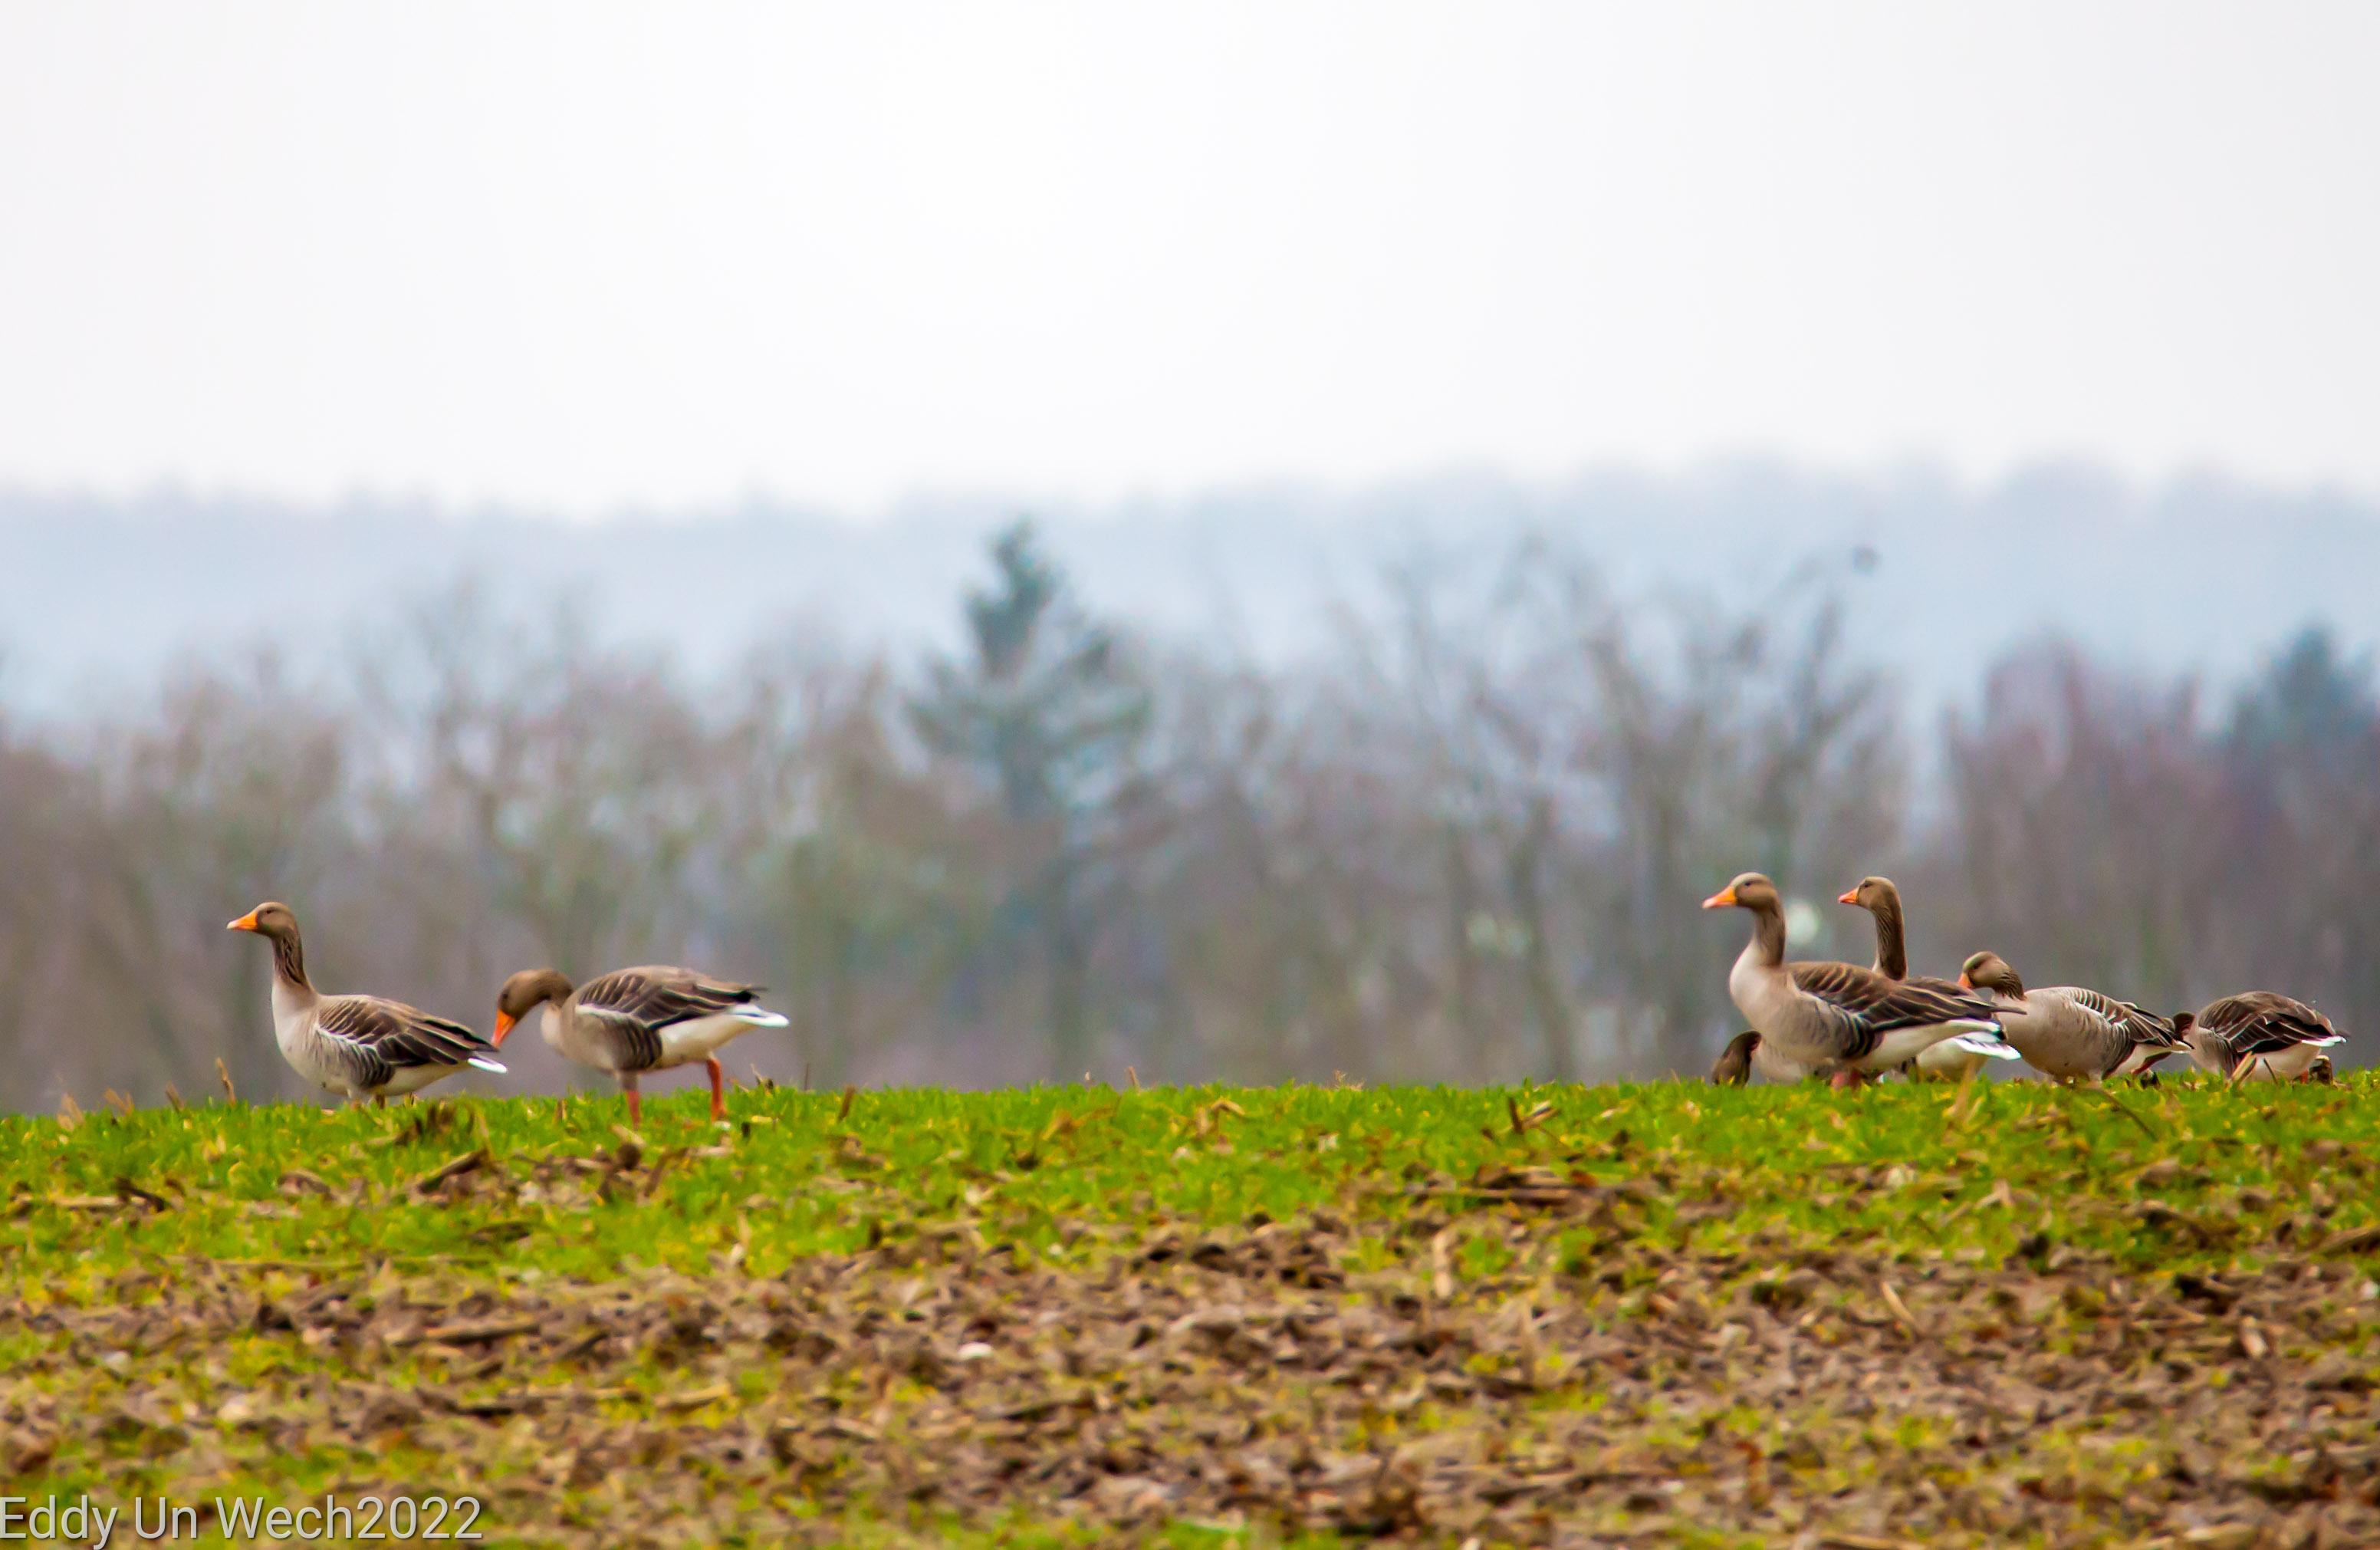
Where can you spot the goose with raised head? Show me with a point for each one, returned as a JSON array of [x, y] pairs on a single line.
[[2067, 1032], [362, 1046], [1881, 898], [634, 1020], [1839, 1018], [2260, 1036]]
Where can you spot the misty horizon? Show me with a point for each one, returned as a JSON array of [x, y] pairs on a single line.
[[2193, 573]]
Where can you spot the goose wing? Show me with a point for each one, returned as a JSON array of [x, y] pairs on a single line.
[[375, 1038], [2262, 1022], [632, 1005], [1863, 1005], [2137, 1025], [658, 996]]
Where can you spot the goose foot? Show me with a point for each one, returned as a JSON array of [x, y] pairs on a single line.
[[1844, 1079]]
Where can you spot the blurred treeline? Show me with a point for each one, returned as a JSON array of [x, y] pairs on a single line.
[[1467, 843]]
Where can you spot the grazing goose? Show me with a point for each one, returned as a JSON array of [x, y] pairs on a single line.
[[362, 1046], [1838, 1017], [635, 1020], [1747, 1053], [2069, 1032], [1880, 898], [2260, 1036]]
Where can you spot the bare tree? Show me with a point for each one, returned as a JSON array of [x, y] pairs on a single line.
[[231, 793], [2087, 823]]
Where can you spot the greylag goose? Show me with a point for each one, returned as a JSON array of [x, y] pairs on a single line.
[[2069, 1032], [1747, 1053], [1881, 898], [364, 1047], [635, 1020], [2261, 1036], [1838, 1017]]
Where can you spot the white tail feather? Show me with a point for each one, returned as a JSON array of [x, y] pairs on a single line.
[[483, 1063], [1984, 1043], [760, 1017]]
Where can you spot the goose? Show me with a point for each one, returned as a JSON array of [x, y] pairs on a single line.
[[2069, 1032], [1747, 1053], [1881, 898], [634, 1020], [364, 1047], [2262, 1035], [1838, 1017]]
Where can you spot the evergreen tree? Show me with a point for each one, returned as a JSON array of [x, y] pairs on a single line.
[[1044, 709], [2311, 705]]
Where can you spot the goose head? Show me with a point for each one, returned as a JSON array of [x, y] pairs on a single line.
[[1989, 972], [1734, 1066], [1871, 893], [522, 994], [1751, 891], [273, 919]]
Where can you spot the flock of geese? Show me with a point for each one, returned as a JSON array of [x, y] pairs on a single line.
[[1838, 1020], [1848, 1023]]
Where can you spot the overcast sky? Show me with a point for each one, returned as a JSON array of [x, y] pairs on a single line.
[[586, 255]]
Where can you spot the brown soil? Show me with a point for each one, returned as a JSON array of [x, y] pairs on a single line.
[[1638, 1396]]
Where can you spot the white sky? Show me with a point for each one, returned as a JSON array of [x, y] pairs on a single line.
[[583, 255]]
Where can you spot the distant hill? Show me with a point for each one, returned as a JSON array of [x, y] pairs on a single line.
[[2198, 573]]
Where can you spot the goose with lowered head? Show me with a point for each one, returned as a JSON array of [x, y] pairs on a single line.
[[2069, 1032], [635, 1020], [1748, 1053], [1838, 1017], [2260, 1036]]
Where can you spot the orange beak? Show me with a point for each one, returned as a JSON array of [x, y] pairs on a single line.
[[505, 1022], [1849, 896], [1721, 900], [246, 922], [1964, 982]]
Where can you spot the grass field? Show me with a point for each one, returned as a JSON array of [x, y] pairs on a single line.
[[2005, 1316]]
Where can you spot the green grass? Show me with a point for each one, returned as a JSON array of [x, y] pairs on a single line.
[[795, 1175], [155, 1270]]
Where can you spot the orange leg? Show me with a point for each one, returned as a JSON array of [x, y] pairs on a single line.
[[635, 1104], [718, 1098], [379, 1100], [1844, 1079]]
